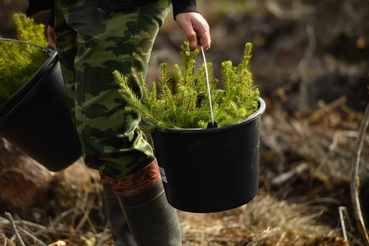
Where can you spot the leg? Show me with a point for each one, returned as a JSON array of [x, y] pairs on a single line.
[[67, 51], [152, 220], [118, 225], [110, 138]]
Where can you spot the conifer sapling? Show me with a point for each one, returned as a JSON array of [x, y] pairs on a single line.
[[19, 61], [186, 105]]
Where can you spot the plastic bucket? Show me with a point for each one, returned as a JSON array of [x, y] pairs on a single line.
[[37, 119], [210, 170]]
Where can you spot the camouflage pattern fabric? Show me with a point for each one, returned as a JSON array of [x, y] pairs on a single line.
[[91, 45]]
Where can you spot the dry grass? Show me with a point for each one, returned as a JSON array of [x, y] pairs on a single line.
[[281, 222], [264, 220]]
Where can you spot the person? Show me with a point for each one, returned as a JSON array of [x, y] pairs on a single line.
[[93, 38]]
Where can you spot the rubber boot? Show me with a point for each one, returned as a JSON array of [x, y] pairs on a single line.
[[152, 220], [118, 225]]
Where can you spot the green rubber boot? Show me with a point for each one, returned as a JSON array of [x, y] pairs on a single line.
[[152, 220], [118, 225]]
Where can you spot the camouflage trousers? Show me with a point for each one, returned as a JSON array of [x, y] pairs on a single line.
[[91, 45]]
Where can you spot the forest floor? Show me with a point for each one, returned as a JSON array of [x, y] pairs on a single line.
[[309, 62], [304, 184]]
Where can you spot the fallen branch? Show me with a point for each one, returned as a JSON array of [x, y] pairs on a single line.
[[213, 239], [282, 237], [38, 241], [285, 177], [105, 234], [353, 134], [264, 236], [14, 228], [340, 210], [324, 109], [32, 235], [355, 179], [57, 220]]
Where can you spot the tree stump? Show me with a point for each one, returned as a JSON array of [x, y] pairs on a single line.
[[30, 190], [23, 181]]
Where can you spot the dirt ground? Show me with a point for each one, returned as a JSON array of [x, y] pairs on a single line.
[[309, 63]]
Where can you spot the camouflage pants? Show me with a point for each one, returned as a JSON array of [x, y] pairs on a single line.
[[91, 45]]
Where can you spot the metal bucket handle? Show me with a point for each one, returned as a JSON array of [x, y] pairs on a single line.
[[47, 50], [211, 124]]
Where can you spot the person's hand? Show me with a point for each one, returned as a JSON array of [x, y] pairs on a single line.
[[51, 37], [196, 29]]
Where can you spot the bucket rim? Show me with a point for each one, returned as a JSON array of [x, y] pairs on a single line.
[[253, 117]]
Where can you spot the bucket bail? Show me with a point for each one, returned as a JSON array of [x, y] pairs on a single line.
[[211, 124]]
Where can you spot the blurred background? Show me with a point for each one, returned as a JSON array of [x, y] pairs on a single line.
[[309, 61], [307, 49]]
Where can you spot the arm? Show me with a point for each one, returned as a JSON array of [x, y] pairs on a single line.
[[192, 23], [51, 36]]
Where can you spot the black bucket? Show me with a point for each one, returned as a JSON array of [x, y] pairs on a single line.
[[37, 119], [210, 170]]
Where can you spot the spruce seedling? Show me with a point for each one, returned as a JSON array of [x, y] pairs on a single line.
[[19, 61], [186, 105]]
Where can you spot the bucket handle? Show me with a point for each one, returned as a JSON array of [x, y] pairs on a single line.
[[47, 50], [211, 124]]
